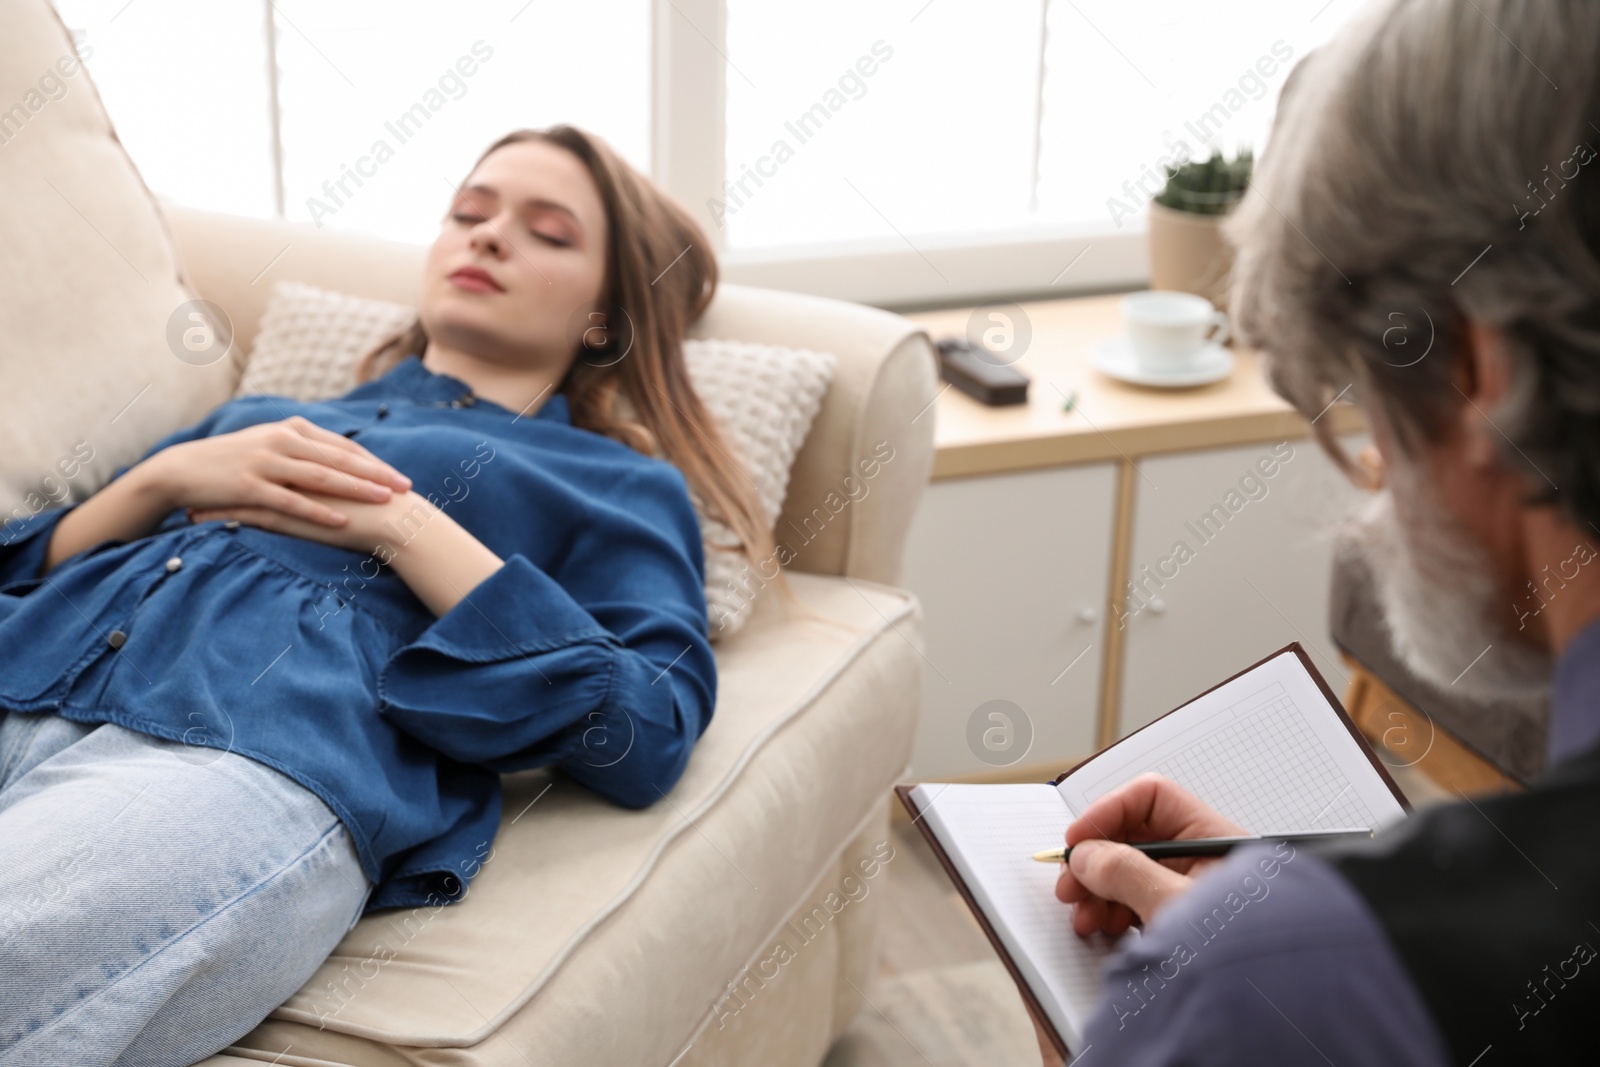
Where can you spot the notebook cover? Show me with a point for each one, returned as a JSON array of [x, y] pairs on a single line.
[[903, 791]]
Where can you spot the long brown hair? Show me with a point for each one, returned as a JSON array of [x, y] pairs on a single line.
[[649, 233]]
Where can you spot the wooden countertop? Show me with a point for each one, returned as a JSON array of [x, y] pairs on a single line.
[[1109, 420]]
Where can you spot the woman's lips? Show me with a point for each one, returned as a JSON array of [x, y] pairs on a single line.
[[477, 281]]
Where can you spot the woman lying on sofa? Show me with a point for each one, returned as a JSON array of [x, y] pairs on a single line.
[[265, 680]]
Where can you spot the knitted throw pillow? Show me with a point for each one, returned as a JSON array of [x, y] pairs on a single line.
[[311, 339], [764, 398]]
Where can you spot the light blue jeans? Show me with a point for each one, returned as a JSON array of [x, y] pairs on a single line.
[[157, 899]]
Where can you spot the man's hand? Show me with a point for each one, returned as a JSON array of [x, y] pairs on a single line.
[[1111, 883]]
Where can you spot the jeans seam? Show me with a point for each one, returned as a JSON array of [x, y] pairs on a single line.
[[6, 1054]]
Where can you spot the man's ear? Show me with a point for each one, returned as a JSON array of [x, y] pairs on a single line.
[[1483, 376]]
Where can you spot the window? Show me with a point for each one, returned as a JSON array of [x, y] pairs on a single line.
[[980, 117], [961, 146], [381, 107], [184, 82], [891, 151], [384, 89]]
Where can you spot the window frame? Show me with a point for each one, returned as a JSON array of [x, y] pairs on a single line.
[[688, 149], [688, 160]]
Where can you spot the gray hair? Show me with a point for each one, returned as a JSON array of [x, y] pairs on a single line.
[[1420, 172]]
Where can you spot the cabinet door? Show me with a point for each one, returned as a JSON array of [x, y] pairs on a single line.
[[1230, 564], [1012, 573]]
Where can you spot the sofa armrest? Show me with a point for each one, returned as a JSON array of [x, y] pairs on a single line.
[[880, 400]]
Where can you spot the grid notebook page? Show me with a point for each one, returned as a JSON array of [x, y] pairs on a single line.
[[990, 833], [1266, 749]]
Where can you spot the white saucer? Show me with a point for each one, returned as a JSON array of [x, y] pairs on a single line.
[[1117, 358]]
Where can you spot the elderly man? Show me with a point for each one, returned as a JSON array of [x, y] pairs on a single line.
[[1423, 236]]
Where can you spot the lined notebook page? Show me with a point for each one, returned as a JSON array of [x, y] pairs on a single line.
[[990, 833], [1266, 749]]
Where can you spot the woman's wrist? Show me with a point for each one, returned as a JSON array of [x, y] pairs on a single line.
[[441, 561], [126, 509], [149, 483]]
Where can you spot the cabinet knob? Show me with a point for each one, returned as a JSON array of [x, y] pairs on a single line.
[[1088, 616], [1158, 606]]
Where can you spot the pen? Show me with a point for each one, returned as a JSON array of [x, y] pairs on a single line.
[[1213, 846]]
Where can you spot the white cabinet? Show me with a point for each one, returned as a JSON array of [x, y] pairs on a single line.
[[1230, 564], [1012, 573]]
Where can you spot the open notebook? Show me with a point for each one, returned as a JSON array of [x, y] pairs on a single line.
[[1271, 748]]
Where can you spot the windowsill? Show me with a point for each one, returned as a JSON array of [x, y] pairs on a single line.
[[928, 271]]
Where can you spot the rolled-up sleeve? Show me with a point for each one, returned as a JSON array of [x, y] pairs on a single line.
[[603, 668]]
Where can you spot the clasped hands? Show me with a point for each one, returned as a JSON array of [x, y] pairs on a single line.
[[292, 477]]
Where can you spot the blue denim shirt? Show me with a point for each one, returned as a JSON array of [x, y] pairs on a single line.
[[587, 650]]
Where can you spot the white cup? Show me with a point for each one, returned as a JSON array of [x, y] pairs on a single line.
[[1169, 329]]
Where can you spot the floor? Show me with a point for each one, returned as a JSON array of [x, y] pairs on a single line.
[[941, 997]]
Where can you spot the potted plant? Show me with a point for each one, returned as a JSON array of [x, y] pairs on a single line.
[[1187, 251]]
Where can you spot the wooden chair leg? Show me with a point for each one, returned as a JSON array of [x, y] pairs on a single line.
[[1412, 738]]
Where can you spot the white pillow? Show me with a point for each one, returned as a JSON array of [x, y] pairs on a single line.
[[764, 397], [311, 339]]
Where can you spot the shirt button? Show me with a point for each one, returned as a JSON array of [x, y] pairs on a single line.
[[115, 638], [231, 524], [351, 433], [383, 409], [174, 563]]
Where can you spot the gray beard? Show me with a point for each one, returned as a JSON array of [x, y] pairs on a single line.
[[1441, 603]]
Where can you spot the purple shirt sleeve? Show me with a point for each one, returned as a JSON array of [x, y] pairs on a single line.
[[1270, 957]]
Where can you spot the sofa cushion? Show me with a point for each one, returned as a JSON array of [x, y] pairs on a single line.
[[310, 340], [764, 397], [95, 313], [582, 906]]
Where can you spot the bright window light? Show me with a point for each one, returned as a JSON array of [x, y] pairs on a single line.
[[363, 76], [993, 116], [185, 84], [368, 90]]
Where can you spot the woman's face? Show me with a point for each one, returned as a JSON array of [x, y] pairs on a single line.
[[530, 219]]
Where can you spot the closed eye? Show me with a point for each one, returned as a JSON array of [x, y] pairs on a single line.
[[547, 238]]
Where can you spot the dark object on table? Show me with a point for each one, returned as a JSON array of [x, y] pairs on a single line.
[[978, 373]]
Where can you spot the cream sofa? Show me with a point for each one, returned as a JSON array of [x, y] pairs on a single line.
[[597, 935], [593, 934]]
